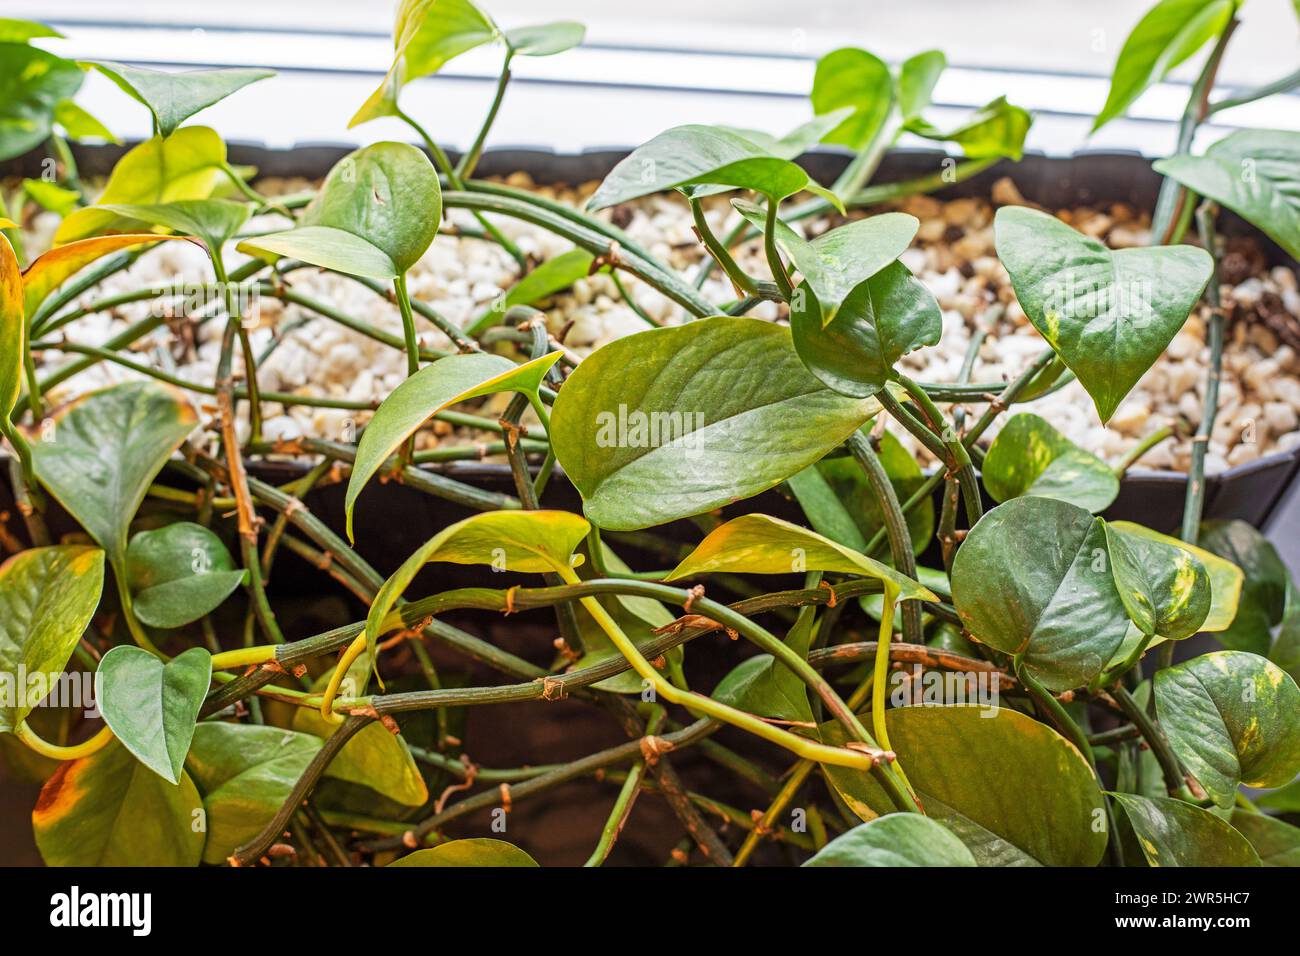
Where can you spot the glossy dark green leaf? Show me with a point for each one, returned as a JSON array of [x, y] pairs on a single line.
[[837, 262], [1164, 587], [917, 76], [675, 421], [545, 39], [995, 777], [1030, 457], [173, 97], [1033, 578], [1233, 718], [375, 215], [47, 598], [1170, 832], [688, 156], [32, 82], [840, 503], [178, 573], [103, 451], [152, 706], [245, 773], [456, 378], [854, 78], [480, 851], [1169, 33], [880, 321], [185, 165], [761, 544], [1225, 577], [1256, 174], [1263, 592], [995, 130], [1109, 315], [1276, 842], [760, 685], [214, 221], [111, 810], [899, 839], [426, 34]]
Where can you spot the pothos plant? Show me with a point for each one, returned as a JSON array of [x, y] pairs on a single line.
[[1080, 741]]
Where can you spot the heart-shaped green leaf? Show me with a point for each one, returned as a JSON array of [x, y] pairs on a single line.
[[1233, 718], [1170, 832], [1276, 842], [1030, 457], [760, 544], [688, 156], [799, 140], [672, 422], [839, 261], [1263, 592], [103, 452], [111, 810], [245, 773], [545, 39], [213, 221], [993, 777], [13, 329], [995, 130], [47, 598], [178, 573], [173, 98], [32, 83], [917, 76], [456, 378], [426, 34], [1109, 315], [480, 851], [374, 758], [881, 320], [185, 165], [375, 215], [899, 839], [152, 707], [532, 542], [853, 78], [1165, 589], [839, 502], [1256, 174], [1033, 579], [1225, 577], [1169, 33], [761, 685]]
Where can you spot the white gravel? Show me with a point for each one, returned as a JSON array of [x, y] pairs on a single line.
[[953, 255]]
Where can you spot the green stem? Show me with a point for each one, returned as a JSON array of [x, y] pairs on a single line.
[[773, 256], [465, 168], [1058, 713], [1141, 448], [739, 279]]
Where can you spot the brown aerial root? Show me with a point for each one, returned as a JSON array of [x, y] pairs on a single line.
[[471, 773], [510, 600], [505, 797], [832, 600], [552, 689], [693, 595], [877, 755], [688, 621], [761, 828]]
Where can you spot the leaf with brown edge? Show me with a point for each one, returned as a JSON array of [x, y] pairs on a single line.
[[13, 329], [111, 810], [51, 269]]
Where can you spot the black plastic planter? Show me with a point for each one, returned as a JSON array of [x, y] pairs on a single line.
[[393, 520]]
